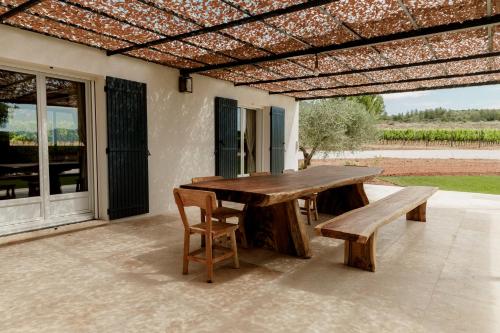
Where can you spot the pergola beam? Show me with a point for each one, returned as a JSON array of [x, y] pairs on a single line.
[[374, 69], [403, 90], [16, 10], [227, 25], [405, 35], [439, 77]]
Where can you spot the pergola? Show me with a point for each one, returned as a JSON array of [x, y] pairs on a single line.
[[304, 49]]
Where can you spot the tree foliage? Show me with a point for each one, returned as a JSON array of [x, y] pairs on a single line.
[[446, 115], [374, 104], [333, 125]]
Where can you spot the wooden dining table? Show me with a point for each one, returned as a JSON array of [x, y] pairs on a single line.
[[272, 212]]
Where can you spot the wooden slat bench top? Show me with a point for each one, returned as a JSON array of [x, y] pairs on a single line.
[[358, 225]]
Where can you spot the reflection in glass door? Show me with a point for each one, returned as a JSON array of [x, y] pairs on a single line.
[[19, 154], [44, 164], [67, 136]]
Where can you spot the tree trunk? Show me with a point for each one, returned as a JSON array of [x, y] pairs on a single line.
[[307, 156]]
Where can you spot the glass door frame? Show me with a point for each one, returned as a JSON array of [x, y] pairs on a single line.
[[45, 198]]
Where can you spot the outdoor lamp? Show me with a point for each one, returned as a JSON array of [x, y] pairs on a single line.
[[185, 84]]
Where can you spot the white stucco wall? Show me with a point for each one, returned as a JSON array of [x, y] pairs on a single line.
[[180, 126]]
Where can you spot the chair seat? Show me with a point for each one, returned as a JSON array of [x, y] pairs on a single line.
[[225, 212], [218, 228]]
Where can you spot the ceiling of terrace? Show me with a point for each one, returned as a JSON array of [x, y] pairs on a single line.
[[304, 49]]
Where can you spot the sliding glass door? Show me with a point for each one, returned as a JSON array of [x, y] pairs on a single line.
[[44, 151]]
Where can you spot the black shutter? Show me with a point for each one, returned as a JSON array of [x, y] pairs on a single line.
[[226, 137], [127, 148], [277, 140]]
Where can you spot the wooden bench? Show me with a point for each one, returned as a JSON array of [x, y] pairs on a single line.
[[359, 227]]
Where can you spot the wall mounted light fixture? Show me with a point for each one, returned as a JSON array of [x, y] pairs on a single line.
[[185, 84]]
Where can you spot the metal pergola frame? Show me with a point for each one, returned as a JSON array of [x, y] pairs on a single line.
[[400, 36], [227, 25], [265, 71], [430, 78], [376, 69], [16, 10], [393, 91]]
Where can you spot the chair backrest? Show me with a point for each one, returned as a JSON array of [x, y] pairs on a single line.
[[205, 200], [289, 171], [205, 179], [263, 173]]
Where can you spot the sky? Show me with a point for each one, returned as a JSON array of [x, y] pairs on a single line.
[[481, 97]]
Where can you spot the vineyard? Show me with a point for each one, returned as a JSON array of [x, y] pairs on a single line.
[[441, 136]]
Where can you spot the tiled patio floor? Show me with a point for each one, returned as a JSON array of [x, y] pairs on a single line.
[[439, 276]]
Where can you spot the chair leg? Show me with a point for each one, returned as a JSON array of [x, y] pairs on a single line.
[[241, 229], [209, 258], [202, 219], [315, 207], [308, 211], [234, 247], [185, 259]]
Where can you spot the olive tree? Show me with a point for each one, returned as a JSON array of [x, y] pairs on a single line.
[[374, 104], [333, 125]]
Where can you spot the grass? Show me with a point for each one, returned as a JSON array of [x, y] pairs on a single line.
[[477, 184]]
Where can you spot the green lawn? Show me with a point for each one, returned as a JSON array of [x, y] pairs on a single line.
[[478, 184]]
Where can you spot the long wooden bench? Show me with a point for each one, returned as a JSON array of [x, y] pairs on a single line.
[[359, 227]]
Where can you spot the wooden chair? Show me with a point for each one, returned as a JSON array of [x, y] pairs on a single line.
[[223, 213], [262, 173], [310, 207], [310, 203], [209, 228]]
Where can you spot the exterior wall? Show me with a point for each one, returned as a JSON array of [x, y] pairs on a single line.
[[180, 126]]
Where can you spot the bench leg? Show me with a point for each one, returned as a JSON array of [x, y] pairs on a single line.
[[361, 255], [418, 214]]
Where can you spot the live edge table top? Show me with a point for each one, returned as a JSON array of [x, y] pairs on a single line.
[[273, 189]]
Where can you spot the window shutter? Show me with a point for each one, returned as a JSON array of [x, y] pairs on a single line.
[[226, 137], [277, 140], [127, 148]]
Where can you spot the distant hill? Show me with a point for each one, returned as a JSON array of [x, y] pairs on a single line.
[[444, 115]]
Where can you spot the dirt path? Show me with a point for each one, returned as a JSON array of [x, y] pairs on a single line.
[[422, 167]]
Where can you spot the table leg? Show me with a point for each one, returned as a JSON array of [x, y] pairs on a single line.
[[336, 201], [279, 227]]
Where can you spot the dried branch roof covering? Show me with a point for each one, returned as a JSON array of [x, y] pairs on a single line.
[[20, 88], [114, 25]]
